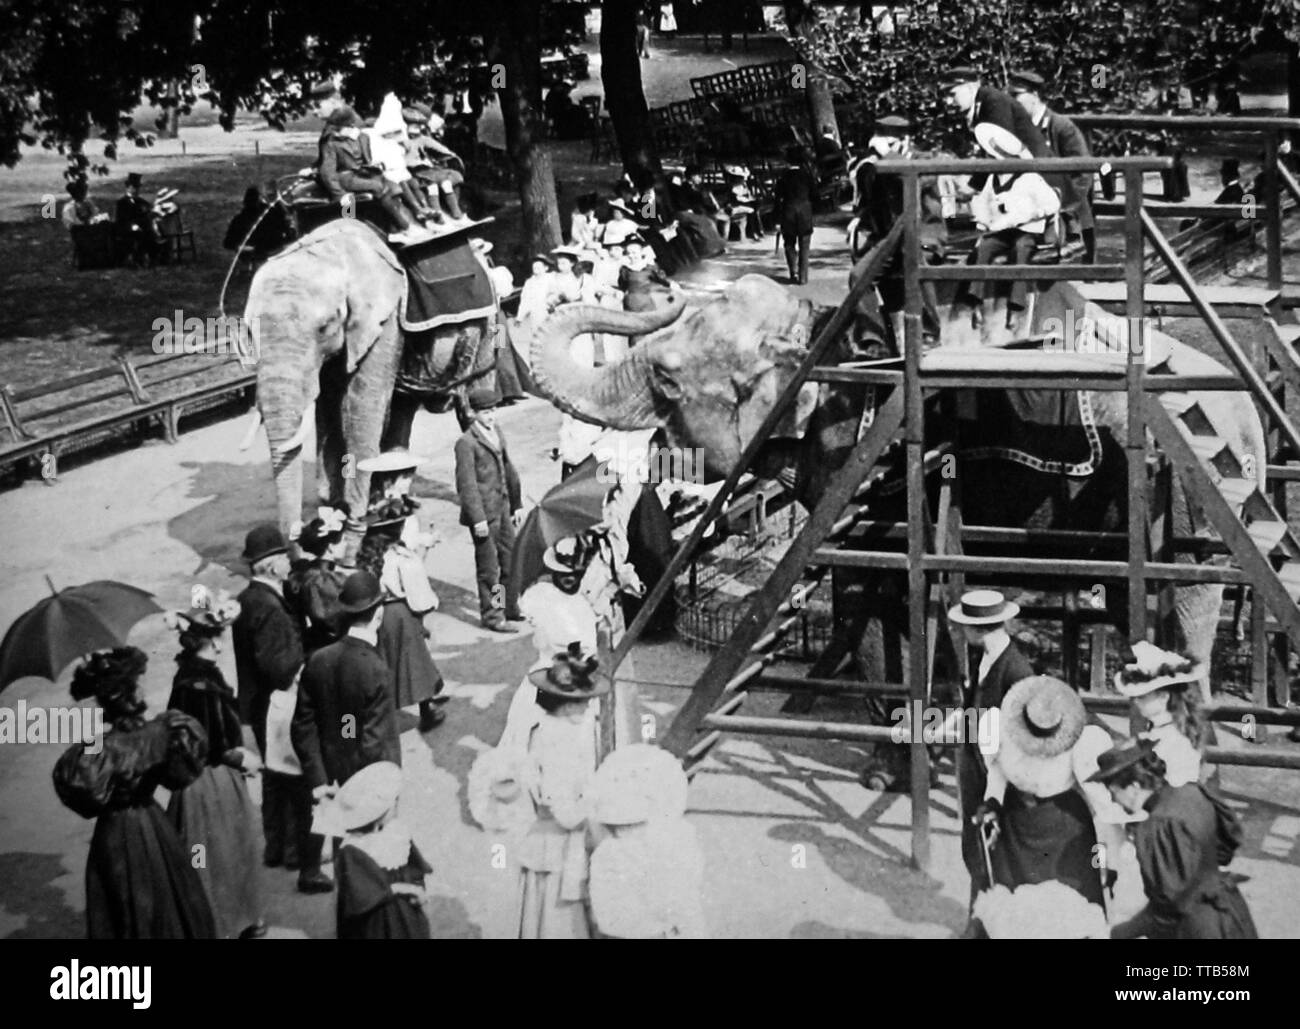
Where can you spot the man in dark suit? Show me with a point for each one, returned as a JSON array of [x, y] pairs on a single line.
[[1064, 139], [982, 103], [268, 656], [491, 506], [346, 718], [133, 224], [982, 616]]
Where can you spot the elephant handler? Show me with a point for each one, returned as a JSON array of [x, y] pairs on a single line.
[[982, 617], [491, 507]]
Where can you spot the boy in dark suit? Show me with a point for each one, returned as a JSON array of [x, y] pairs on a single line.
[[491, 507]]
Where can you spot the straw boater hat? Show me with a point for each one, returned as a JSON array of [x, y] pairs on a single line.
[[368, 795], [1039, 721], [571, 676], [998, 142], [618, 205], [983, 607], [563, 556], [637, 783], [398, 459], [1156, 669]]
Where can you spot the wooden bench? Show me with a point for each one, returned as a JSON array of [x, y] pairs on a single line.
[[62, 417], [1167, 300]]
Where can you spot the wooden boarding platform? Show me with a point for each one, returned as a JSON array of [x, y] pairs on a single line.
[[1169, 299]]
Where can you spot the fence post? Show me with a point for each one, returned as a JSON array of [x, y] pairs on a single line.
[[1273, 210], [1134, 310]]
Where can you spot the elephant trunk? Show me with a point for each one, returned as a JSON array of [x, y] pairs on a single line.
[[620, 394]]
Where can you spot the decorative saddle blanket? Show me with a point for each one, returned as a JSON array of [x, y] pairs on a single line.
[[446, 284]]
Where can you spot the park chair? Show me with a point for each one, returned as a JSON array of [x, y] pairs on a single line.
[[175, 237], [93, 246]]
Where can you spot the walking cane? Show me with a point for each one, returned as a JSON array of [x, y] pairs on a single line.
[[986, 847]]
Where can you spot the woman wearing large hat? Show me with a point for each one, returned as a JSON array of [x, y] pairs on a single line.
[[140, 883], [557, 769], [1184, 841], [315, 580], [1040, 825], [1164, 688], [215, 812]]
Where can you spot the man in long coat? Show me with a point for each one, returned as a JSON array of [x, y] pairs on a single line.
[[982, 103], [346, 718], [491, 507], [1064, 139]]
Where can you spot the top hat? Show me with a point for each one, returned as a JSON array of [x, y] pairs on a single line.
[[1156, 669], [1121, 756], [361, 592], [484, 398], [368, 795], [1025, 82], [638, 782], [395, 459], [962, 73], [263, 541], [998, 142], [983, 607], [571, 676], [893, 125], [1041, 717], [134, 179]]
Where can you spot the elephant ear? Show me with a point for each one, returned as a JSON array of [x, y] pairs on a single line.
[[375, 290]]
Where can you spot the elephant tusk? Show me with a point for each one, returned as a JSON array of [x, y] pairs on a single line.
[[296, 440], [254, 424]]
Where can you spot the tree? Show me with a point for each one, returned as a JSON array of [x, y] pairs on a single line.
[[801, 21], [620, 74]]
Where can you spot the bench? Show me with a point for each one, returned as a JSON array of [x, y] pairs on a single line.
[[1167, 300], [84, 410]]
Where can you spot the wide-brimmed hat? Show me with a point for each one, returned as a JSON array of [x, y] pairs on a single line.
[[361, 592], [892, 125], [618, 205], [108, 673], [389, 512], [983, 607], [564, 556], [738, 170], [1156, 669], [1123, 755], [998, 142], [208, 611], [416, 112], [637, 783], [572, 675], [572, 253], [396, 459], [326, 528], [495, 790], [263, 541], [1041, 717], [546, 259], [368, 795], [484, 398]]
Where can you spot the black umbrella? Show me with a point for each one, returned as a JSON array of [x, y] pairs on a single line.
[[70, 624], [567, 509]]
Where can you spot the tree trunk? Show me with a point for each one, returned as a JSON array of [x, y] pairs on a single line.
[[620, 73], [800, 16], [171, 124], [521, 105]]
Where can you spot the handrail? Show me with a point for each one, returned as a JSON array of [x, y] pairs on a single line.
[[784, 403], [1190, 121], [965, 166]]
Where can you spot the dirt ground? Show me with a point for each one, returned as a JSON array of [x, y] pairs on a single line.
[[793, 845]]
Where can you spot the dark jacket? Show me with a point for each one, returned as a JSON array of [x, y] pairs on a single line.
[[1001, 109], [1065, 139], [486, 480], [133, 214], [794, 194], [346, 165], [345, 718], [1188, 835], [880, 203], [268, 652]]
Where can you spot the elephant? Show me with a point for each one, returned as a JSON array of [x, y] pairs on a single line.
[[707, 377], [323, 319]]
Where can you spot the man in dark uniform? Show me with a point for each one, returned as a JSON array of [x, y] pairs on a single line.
[[491, 507], [878, 203], [983, 616], [1064, 139], [345, 717], [981, 103], [268, 655]]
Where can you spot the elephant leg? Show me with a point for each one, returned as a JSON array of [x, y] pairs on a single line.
[[401, 419], [882, 655], [365, 409], [333, 467], [1196, 609]]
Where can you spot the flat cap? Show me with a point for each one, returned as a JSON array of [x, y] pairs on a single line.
[[1025, 82], [962, 73], [893, 124]]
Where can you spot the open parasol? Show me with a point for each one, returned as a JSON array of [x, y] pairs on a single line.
[[69, 624], [567, 509]]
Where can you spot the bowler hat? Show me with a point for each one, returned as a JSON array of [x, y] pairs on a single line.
[[1121, 756], [361, 592], [484, 398], [263, 541], [1025, 82], [983, 607]]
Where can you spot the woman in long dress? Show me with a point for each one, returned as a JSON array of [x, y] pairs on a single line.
[[560, 761], [215, 812], [1187, 837], [1164, 689], [315, 581], [140, 882]]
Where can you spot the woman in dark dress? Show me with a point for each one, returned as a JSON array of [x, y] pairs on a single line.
[[795, 190], [640, 278], [215, 811], [380, 870], [1188, 836], [314, 582], [140, 883]]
